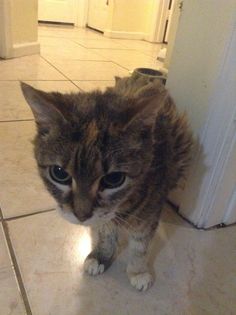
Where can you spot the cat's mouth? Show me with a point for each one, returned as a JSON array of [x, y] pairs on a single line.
[[97, 218]]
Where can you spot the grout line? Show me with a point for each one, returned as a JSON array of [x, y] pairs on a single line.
[[66, 80], [93, 80], [77, 59], [83, 60], [118, 48], [120, 66], [60, 71], [130, 49], [17, 80], [28, 214], [16, 267], [109, 60], [48, 62], [106, 48], [72, 39], [16, 120]]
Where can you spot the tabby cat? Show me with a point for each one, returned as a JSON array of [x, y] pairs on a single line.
[[110, 160]]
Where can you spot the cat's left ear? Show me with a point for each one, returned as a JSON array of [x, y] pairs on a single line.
[[44, 110], [146, 108]]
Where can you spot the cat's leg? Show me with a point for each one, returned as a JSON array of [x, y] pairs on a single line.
[[138, 272], [103, 252]]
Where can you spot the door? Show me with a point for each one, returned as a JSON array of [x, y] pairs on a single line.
[[62, 11], [97, 14], [209, 198]]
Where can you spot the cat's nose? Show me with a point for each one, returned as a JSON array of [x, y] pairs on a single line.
[[83, 216]]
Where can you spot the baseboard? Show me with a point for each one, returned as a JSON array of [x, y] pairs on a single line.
[[124, 35], [25, 49]]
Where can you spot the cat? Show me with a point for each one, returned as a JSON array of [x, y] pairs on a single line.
[[110, 159]]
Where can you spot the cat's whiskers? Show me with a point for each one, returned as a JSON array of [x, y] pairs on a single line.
[[128, 227], [122, 226]]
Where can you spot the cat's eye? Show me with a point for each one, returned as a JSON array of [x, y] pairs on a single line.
[[113, 180], [59, 175]]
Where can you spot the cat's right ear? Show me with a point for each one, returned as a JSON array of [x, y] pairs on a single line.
[[45, 112], [117, 79]]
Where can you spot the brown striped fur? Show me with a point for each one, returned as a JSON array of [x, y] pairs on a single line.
[[133, 127]]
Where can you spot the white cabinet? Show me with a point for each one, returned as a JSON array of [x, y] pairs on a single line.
[[63, 11]]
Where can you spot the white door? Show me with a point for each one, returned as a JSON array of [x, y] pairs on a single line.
[[97, 14], [209, 198], [63, 11]]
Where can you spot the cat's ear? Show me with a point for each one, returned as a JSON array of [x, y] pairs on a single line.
[[146, 108], [117, 79], [41, 103]]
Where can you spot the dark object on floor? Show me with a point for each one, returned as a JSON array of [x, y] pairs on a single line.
[[150, 73]]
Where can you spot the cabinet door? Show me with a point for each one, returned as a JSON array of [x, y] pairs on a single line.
[[57, 11]]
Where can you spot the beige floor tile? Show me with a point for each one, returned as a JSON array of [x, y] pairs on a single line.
[[92, 85], [89, 70], [129, 59], [28, 68], [69, 33], [147, 48], [99, 43], [75, 52], [10, 298], [13, 104], [57, 48], [21, 189], [152, 52], [195, 271], [56, 42], [54, 86], [141, 45]]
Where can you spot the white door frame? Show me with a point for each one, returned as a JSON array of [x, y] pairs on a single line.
[[81, 13], [158, 19]]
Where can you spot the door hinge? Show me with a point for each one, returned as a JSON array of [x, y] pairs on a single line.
[[181, 4]]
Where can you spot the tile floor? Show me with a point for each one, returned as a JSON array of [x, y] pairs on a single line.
[[41, 255]]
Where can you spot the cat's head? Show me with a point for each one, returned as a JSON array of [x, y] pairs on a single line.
[[93, 150]]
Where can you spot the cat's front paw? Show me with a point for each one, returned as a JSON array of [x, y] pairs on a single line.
[[92, 267], [141, 281]]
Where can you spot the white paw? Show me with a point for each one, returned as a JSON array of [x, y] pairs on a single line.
[[141, 281], [92, 267]]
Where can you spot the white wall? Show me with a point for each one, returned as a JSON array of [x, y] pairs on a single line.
[[18, 24], [25, 20]]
